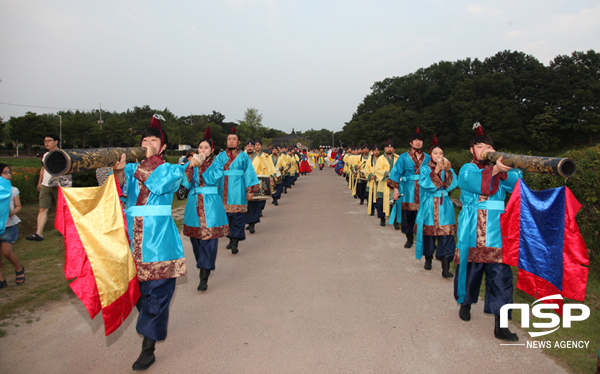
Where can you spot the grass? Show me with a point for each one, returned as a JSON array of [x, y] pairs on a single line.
[[22, 162]]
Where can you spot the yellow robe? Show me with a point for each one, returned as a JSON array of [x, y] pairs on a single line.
[[372, 183], [382, 172]]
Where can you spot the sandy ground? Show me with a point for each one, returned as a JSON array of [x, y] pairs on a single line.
[[320, 288]]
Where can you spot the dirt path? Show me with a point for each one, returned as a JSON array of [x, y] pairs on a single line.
[[320, 288]]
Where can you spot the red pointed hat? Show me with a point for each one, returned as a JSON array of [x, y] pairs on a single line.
[[233, 130], [434, 143], [155, 122], [208, 138], [416, 135], [478, 129]]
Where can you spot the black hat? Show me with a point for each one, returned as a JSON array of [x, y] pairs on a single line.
[[365, 145], [389, 143], [249, 141], [375, 146], [258, 141]]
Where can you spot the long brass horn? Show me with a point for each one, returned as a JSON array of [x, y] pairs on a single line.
[[68, 161], [564, 167]]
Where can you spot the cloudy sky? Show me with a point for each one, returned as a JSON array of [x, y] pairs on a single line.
[[302, 64]]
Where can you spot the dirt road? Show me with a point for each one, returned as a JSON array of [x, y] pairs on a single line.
[[320, 288]]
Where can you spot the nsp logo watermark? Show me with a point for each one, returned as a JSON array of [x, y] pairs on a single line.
[[538, 312]]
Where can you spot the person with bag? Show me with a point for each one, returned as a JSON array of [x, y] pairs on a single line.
[[48, 188]]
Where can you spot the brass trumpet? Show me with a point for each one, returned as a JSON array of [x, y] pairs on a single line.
[[564, 167], [67, 161]]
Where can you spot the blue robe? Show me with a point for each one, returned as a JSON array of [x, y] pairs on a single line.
[[483, 198], [240, 179], [433, 218], [406, 173], [5, 195], [207, 219], [153, 235]]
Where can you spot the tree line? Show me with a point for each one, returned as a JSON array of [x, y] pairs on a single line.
[[519, 101]]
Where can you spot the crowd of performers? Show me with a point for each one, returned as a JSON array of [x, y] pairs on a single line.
[[226, 196], [411, 192]]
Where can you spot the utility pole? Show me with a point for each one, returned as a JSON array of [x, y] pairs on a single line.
[[100, 122]]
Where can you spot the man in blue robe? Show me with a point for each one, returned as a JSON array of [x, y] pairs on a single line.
[[483, 190], [406, 172], [237, 187], [154, 238]]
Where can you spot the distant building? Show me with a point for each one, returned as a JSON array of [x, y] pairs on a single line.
[[291, 139]]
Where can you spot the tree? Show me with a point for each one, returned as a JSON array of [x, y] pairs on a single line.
[[30, 129], [542, 128], [251, 126]]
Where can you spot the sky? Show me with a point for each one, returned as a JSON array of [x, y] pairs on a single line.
[[302, 64]]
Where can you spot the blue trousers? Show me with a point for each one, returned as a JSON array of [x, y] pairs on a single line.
[[278, 191], [237, 225], [254, 209], [498, 286], [205, 252], [287, 180], [361, 190], [446, 246], [379, 206], [408, 220], [153, 306]]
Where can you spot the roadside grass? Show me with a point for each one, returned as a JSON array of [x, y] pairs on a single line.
[[22, 162]]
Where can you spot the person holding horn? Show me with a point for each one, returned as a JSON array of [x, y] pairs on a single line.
[[436, 220], [479, 251], [205, 219], [406, 173], [237, 188], [155, 242]]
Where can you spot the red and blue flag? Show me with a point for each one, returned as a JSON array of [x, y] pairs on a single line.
[[540, 235]]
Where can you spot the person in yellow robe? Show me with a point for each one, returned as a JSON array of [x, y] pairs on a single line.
[[279, 163], [262, 166], [383, 166], [372, 180], [361, 175]]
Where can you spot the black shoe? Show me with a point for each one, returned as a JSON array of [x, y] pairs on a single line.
[[275, 202], [396, 226], [465, 312], [285, 189], [446, 268], [261, 214], [356, 197], [428, 262], [229, 245], [382, 222], [503, 333], [234, 246], [408, 244], [248, 227], [146, 358], [251, 228], [372, 214], [362, 202], [203, 286]]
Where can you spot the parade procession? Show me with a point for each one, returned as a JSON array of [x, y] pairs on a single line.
[[124, 250]]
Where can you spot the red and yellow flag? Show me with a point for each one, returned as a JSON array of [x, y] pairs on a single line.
[[97, 254]]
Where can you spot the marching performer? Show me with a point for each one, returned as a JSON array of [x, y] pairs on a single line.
[[279, 164], [372, 180], [383, 167], [361, 174], [154, 238], [483, 189], [237, 187], [262, 166], [406, 172], [205, 219], [436, 220]]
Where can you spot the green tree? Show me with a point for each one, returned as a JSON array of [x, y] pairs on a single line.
[[542, 129], [251, 126], [30, 129]]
